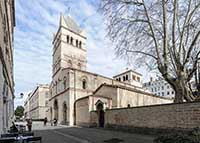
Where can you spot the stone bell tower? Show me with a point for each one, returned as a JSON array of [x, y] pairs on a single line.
[[69, 46]]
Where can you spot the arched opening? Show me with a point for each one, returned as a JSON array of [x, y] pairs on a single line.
[[100, 111], [56, 84], [56, 109], [67, 38], [64, 112], [76, 43], [79, 66], [64, 83], [69, 63], [84, 84], [80, 44], [71, 40]]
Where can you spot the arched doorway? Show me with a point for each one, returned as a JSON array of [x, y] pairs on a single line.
[[100, 113], [64, 113], [56, 109]]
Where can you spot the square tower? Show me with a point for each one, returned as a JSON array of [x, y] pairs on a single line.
[[69, 46]]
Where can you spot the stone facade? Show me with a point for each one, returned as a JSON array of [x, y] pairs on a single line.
[[36, 105], [182, 116], [113, 97], [7, 23], [71, 81], [87, 104]]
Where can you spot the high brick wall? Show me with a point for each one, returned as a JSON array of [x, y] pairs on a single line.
[[168, 116]]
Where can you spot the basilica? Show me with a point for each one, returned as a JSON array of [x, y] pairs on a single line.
[[75, 92]]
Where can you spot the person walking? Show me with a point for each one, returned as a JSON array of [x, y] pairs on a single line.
[[55, 122], [45, 121]]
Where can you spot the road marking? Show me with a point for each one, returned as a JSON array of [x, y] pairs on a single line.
[[71, 137]]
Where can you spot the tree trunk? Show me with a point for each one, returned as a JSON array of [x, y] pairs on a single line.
[[182, 92]]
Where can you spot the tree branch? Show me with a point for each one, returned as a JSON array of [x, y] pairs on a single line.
[[140, 52]]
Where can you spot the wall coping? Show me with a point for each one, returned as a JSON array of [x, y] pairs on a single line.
[[147, 106]]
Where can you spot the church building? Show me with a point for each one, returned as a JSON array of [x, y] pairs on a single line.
[[72, 83]]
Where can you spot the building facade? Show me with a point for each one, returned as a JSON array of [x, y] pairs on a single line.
[[7, 23], [108, 97], [70, 80], [159, 87], [36, 103]]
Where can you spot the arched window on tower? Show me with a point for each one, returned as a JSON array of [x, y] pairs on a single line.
[[71, 40], [69, 63], [84, 84], [79, 66], [80, 44], [64, 82], [56, 84], [76, 43], [67, 38]]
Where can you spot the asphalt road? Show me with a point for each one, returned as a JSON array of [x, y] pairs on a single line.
[[89, 135]]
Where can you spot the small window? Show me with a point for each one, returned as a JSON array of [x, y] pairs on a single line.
[[162, 93], [79, 66], [64, 83], [67, 38], [172, 92], [80, 44], [126, 77], [119, 78], [138, 79], [128, 105], [134, 77], [71, 41], [162, 87], [76, 43], [84, 84], [167, 92]]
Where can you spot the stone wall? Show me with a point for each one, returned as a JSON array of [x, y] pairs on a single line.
[[82, 112], [167, 116]]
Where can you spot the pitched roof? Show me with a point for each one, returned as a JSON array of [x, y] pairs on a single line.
[[69, 23]]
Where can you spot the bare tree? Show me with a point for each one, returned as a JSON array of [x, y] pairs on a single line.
[[164, 33]]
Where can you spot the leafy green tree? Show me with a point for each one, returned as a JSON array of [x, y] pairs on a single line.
[[19, 111]]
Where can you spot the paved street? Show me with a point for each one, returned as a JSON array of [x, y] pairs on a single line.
[[65, 134]]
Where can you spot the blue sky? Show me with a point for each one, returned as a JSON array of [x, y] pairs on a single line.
[[36, 20]]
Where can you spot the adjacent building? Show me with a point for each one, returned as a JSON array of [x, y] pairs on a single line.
[[36, 103], [159, 87], [71, 82], [7, 23]]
